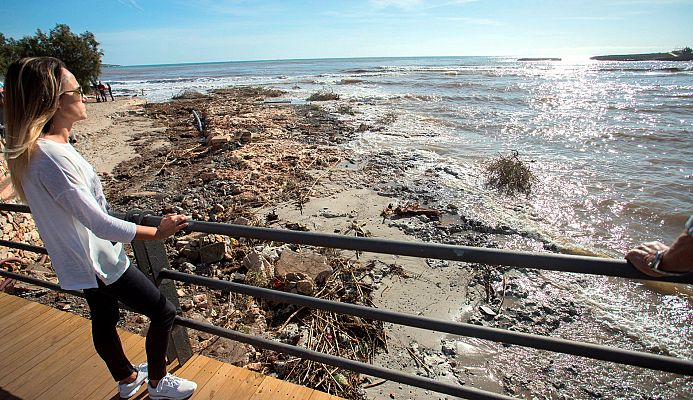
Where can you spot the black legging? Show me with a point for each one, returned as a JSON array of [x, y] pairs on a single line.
[[135, 290]]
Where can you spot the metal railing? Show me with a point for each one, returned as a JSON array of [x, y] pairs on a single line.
[[151, 257]]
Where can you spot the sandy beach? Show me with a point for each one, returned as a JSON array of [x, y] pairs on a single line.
[[121, 131], [285, 166]]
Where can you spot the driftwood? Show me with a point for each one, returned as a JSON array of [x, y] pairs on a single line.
[[410, 211]]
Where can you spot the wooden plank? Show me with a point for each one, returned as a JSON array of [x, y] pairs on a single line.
[[318, 395], [51, 352], [10, 306], [39, 351], [59, 369], [302, 393], [31, 331], [243, 383], [26, 328], [210, 389], [191, 370], [270, 388], [288, 391], [133, 345], [7, 320], [91, 374], [52, 365], [28, 346], [7, 301], [207, 373], [28, 323]]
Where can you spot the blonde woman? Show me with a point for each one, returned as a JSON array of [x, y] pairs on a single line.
[[42, 102]]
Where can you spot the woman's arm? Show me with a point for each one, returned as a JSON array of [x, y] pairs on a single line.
[[170, 224]]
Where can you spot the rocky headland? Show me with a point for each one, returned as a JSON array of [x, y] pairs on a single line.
[[677, 55]]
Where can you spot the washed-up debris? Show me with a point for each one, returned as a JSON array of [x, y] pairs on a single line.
[[271, 155], [410, 210], [343, 335]]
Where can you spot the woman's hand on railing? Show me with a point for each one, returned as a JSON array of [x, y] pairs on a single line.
[[170, 224]]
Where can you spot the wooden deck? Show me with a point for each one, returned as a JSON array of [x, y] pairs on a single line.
[[47, 354]]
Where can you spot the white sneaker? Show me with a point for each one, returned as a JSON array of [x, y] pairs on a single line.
[[128, 390], [172, 387]]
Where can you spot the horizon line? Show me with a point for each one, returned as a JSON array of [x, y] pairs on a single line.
[[322, 58]]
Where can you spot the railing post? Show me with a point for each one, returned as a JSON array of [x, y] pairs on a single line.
[[151, 259]]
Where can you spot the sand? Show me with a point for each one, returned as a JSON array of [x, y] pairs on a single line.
[[105, 138], [109, 136]]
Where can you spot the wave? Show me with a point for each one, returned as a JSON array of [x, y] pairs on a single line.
[[652, 69], [172, 80], [363, 70]]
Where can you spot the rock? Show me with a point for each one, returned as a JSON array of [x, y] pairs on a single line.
[[257, 367], [241, 221], [290, 331], [213, 252], [200, 300], [305, 287], [219, 141], [449, 348], [187, 304], [244, 136], [259, 266], [190, 253], [230, 351], [218, 208], [331, 214], [314, 266], [239, 277], [487, 311], [188, 267]]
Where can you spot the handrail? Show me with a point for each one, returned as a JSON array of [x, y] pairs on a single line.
[[24, 246], [599, 352], [523, 259], [361, 367], [557, 262], [39, 282]]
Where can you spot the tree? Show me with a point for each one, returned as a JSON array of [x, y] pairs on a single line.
[[80, 53]]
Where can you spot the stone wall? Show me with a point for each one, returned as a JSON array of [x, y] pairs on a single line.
[[16, 227]]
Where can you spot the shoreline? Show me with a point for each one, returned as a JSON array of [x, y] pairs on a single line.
[[336, 204], [302, 145]]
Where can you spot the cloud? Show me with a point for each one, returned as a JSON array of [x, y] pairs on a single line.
[[410, 5], [474, 21], [131, 3], [403, 4]]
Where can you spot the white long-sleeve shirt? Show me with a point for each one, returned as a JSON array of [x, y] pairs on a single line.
[[70, 210]]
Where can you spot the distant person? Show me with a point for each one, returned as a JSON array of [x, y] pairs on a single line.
[[95, 87], [2, 111], [85, 243], [657, 259], [110, 91], [102, 91]]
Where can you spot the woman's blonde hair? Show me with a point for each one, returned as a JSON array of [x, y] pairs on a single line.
[[32, 95]]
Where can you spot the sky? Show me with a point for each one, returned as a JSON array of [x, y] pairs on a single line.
[[140, 32]]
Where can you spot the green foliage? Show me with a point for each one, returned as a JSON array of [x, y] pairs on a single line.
[[686, 50], [80, 53], [510, 174]]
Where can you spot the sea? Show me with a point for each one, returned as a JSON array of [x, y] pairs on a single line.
[[610, 143]]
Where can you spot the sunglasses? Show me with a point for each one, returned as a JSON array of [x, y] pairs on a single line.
[[78, 91]]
